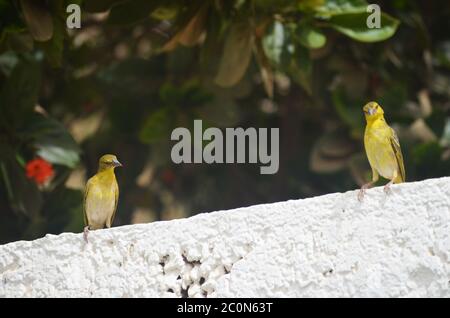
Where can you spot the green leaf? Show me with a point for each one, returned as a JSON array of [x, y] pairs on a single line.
[[331, 8], [278, 45], [292, 59], [58, 155], [236, 55], [165, 12], [52, 141], [355, 27], [311, 37], [23, 194], [156, 126], [274, 42], [19, 95]]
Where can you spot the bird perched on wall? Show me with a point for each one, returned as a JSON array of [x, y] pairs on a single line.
[[382, 149], [101, 196]]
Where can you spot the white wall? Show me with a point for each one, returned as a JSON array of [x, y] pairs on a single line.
[[332, 246]]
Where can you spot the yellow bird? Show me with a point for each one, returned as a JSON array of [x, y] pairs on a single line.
[[382, 149], [101, 196]]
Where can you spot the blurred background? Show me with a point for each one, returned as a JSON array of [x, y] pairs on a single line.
[[136, 69]]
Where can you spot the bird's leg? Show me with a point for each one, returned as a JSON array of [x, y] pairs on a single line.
[[363, 189], [86, 233], [387, 187]]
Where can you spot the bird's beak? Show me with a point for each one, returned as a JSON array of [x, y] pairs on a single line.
[[116, 163], [371, 111]]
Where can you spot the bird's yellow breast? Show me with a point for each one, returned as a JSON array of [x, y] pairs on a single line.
[[101, 199], [378, 148]]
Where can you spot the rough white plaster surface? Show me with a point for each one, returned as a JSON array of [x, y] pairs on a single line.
[[333, 246]]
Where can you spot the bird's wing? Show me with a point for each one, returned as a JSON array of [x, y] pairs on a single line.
[[86, 193], [395, 143], [116, 200]]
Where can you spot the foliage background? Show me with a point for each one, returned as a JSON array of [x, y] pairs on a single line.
[[137, 69]]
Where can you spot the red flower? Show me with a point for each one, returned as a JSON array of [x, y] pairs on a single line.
[[39, 170]]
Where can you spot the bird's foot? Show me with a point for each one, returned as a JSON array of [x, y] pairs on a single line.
[[362, 191], [387, 188], [361, 194], [86, 233]]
